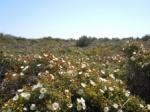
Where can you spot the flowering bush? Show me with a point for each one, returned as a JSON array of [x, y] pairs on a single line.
[[138, 73], [70, 83]]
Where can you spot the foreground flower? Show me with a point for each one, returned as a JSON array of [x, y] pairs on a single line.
[[14, 75], [115, 105], [127, 93], [25, 109], [120, 110], [25, 95], [102, 79], [112, 76], [81, 102], [101, 90], [80, 91], [42, 90], [66, 91], [21, 73], [148, 106], [142, 106], [16, 97], [102, 72], [55, 106], [106, 109], [111, 88], [26, 68], [36, 86], [79, 107], [20, 90], [9, 110], [83, 65], [132, 58], [32, 107], [70, 105], [41, 95], [83, 85], [93, 83]]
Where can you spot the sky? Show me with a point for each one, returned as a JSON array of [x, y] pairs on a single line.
[[74, 18]]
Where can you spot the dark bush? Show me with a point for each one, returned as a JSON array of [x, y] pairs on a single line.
[[138, 70], [84, 41]]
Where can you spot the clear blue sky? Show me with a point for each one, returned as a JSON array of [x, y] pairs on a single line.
[[74, 18]]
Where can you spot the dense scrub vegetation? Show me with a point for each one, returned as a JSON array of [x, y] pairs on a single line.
[[51, 74]]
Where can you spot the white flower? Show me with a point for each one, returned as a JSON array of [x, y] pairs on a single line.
[[112, 76], [45, 55], [14, 74], [83, 84], [38, 65], [93, 83], [51, 61], [132, 58], [79, 107], [117, 70], [115, 105], [20, 90], [42, 90], [9, 110], [80, 91], [25, 95], [34, 87], [66, 91], [120, 110], [41, 95], [39, 74], [22, 67], [5, 104], [39, 84], [102, 79], [21, 74], [70, 72], [105, 88], [141, 105], [55, 106], [84, 106], [87, 75], [70, 105], [26, 68], [52, 76], [16, 97], [134, 52], [81, 101], [47, 71], [102, 72], [32, 107], [111, 88], [119, 81], [127, 93], [80, 73], [106, 109], [148, 106], [83, 65], [25, 109], [39, 57], [51, 66], [101, 90]]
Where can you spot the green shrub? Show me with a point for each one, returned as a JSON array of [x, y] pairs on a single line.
[[138, 69], [83, 41]]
